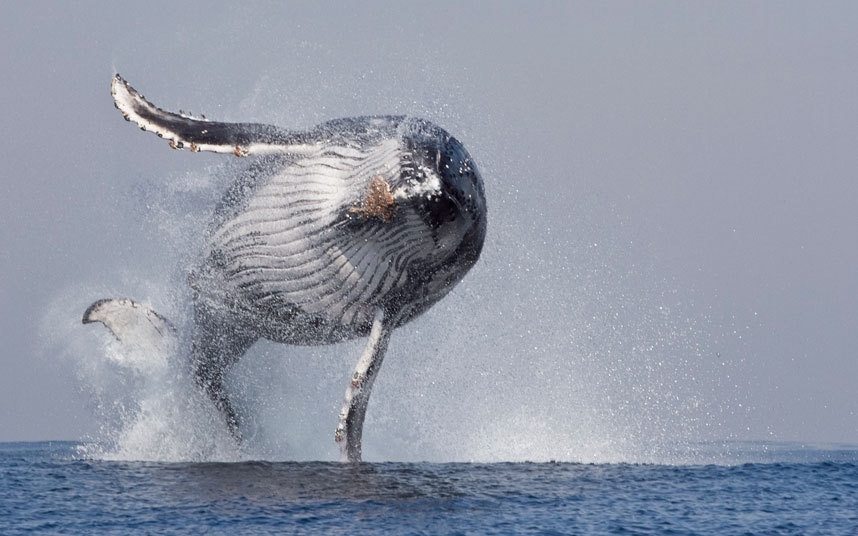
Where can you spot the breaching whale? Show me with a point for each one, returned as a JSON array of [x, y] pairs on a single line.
[[349, 229]]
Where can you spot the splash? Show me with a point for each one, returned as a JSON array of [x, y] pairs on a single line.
[[602, 372], [141, 395], [559, 345]]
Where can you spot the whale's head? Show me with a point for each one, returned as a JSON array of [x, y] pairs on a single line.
[[443, 183], [440, 214]]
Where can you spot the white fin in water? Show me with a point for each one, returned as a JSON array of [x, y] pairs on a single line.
[[147, 338]]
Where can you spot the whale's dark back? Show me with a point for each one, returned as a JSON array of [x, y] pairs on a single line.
[[381, 212]]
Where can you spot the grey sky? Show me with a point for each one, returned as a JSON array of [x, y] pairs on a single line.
[[671, 191]]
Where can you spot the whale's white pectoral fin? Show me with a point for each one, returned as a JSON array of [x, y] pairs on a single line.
[[132, 323], [350, 428], [184, 132]]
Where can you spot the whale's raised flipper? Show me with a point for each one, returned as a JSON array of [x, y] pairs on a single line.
[[132, 323], [240, 139], [350, 429]]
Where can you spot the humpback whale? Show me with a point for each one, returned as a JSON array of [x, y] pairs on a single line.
[[349, 229]]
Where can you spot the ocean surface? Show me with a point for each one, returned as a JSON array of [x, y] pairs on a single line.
[[51, 488]]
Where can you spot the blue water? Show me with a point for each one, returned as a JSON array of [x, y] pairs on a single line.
[[49, 488]]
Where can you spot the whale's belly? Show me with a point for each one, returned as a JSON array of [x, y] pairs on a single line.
[[297, 256]]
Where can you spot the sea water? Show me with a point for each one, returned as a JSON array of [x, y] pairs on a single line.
[[54, 488]]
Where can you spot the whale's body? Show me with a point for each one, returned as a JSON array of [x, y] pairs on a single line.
[[347, 230]]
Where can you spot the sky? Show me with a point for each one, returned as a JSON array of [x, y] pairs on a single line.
[[672, 248]]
